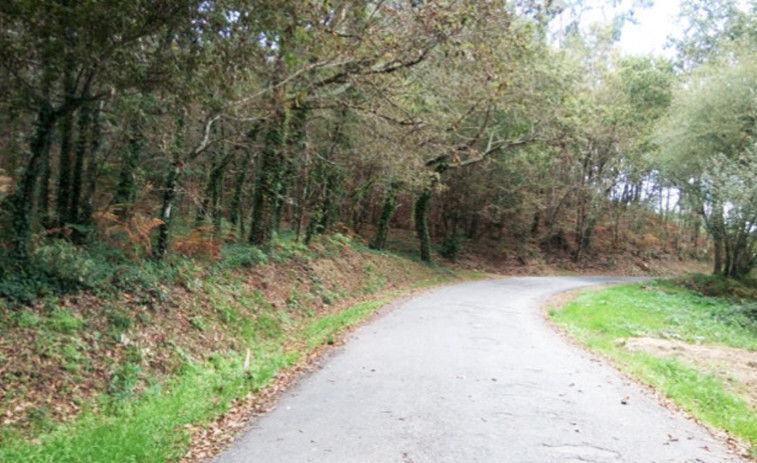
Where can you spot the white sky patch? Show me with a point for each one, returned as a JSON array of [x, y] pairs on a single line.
[[650, 33], [649, 36]]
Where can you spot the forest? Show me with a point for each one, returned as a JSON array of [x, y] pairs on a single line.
[[132, 132], [197, 197]]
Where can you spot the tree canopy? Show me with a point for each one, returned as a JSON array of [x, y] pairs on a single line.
[[150, 129]]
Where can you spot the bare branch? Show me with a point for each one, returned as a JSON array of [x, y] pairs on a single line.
[[205, 140]]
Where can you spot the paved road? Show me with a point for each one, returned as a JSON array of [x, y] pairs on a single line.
[[471, 373]]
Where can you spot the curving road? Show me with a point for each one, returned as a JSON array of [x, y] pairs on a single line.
[[472, 373]]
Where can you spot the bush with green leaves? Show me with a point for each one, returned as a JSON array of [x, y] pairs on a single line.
[[241, 256], [720, 286], [450, 247], [59, 267]]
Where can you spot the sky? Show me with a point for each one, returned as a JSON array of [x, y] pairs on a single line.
[[651, 32], [648, 35]]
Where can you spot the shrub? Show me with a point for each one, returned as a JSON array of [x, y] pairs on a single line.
[[450, 247], [59, 267], [119, 319], [241, 256], [283, 250], [134, 278], [719, 286], [64, 321]]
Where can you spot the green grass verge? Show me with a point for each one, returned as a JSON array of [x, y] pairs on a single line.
[[151, 427], [324, 330], [599, 319]]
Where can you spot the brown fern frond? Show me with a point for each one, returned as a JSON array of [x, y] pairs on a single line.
[[199, 244]]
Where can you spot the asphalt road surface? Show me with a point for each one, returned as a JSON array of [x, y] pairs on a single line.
[[472, 373]]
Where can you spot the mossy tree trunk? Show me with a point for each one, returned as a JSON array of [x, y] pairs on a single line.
[[87, 207], [333, 182], [717, 231], [212, 195], [268, 183], [23, 201], [387, 211], [421, 224], [170, 189], [127, 185], [166, 210], [323, 216], [63, 204], [80, 153], [329, 176], [235, 207], [216, 201], [43, 211]]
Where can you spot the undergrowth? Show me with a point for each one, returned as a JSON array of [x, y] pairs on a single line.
[[151, 427], [148, 393], [59, 267], [720, 286]]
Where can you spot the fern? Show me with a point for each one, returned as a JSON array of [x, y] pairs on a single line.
[[199, 243], [136, 228]]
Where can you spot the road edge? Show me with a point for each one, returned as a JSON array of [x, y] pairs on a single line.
[[559, 300]]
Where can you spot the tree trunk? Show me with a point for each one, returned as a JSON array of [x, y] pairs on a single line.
[[739, 261], [44, 212], [23, 201], [126, 188], [302, 192], [362, 202], [235, 208], [472, 229], [170, 190], [211, 199], [583, 242], [166, 210], [327, 208], [421, 224], [281, 197], [294, 148], [584, 233], [267, 186], [95, 139], [718, 238], [535, 222], [80, 152], [718, 267], [66, 145], [387, 211], [216, 201], [313, 227], [63, 204]]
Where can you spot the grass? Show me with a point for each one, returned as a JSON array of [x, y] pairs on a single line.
[[152, 427], [324, 330], [664, 310], [141, 415]]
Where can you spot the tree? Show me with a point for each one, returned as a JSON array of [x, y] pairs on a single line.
[[59, 54], [708, 142], [711, 27], [604, 131]]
